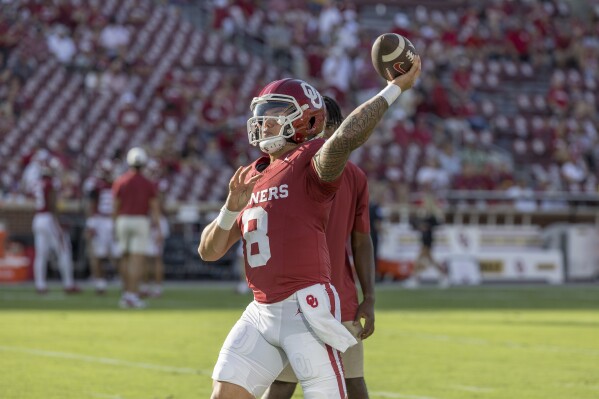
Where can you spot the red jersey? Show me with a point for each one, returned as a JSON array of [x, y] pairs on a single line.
[[283, 226], [43, 189], [134, 191], [348, 213]]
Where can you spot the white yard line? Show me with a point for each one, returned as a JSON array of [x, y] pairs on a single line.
[[103, 360], [397, 395], [105, 396]]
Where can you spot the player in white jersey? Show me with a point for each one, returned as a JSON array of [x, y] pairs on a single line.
[[99, 226]]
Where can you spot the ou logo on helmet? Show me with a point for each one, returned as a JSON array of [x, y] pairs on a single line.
[[312, 94]]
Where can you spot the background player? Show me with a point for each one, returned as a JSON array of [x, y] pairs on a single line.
[[154, 273], [134, 200], [281, 204], [99, 226], [349, 220], [49, 237]]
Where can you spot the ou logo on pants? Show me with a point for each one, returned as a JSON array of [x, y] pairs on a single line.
[[312, 301]]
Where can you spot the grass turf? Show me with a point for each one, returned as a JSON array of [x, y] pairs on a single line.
[[523, 342]]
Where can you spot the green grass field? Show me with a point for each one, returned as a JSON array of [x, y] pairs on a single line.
[[521, 342]]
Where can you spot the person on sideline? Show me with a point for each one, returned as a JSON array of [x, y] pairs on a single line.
[[48, 235], [428, 216], [349, 220], [99, 226], [280, 206], [154, 274], [135, 199]]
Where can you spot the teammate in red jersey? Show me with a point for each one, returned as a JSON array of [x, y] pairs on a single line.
[[349, 220], [48, 234], [280, 206], [136, 208]]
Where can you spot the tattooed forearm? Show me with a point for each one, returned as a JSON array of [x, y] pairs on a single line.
[[330, 160]]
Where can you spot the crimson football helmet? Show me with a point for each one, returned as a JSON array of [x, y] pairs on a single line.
[[291, 105]]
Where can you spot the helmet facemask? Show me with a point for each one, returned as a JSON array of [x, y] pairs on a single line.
[[271, 125]]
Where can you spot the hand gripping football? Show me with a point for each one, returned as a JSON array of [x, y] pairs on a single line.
[[392, 55]]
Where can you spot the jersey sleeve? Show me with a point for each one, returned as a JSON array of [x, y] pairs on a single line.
[[362, 215], [319, 189]]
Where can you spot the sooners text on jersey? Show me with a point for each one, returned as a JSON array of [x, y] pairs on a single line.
[[283, 226]]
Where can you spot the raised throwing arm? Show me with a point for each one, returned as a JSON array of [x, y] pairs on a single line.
[[330, 160]]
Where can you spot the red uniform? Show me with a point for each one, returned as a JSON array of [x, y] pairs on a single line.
[[283, 226], [42, 191], [349, 213], [49, 237], [135, 191]]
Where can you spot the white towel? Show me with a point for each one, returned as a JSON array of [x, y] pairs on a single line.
[[320, 306]]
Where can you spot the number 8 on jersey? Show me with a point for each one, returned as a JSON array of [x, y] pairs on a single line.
[[255, 229]]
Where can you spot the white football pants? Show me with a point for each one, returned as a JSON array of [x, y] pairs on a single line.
[[49, 237]]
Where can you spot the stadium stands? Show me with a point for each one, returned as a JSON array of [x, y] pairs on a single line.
[[507, 93]]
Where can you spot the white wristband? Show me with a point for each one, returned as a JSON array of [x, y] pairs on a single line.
[[226, 218], [390, 93]]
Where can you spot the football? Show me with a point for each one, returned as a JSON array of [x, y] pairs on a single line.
[[392, 55]]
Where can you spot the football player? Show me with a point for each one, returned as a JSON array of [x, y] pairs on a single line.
[[279, 205], [99, 226], [349, 220], [158, 233], [49, 237], [135, 209]]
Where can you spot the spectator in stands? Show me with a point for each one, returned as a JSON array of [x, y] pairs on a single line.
[[135, 199], [279, 39], [329, 18], [61, 44], [336, 73], [115, 78], [449, 160], [114, 38], [522, 195]]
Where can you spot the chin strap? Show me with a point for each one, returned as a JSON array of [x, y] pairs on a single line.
[[273, 144]]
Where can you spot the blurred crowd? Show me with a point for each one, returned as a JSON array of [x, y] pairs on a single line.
[[507, 100]]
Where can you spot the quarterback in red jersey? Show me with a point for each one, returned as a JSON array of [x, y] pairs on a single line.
[[280, 206], [349, 220]]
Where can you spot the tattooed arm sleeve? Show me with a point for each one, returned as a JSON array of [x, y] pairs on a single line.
[[330, 160]]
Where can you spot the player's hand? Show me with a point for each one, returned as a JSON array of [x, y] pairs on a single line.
[[407, 80], [240, 189], [366, 312]]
